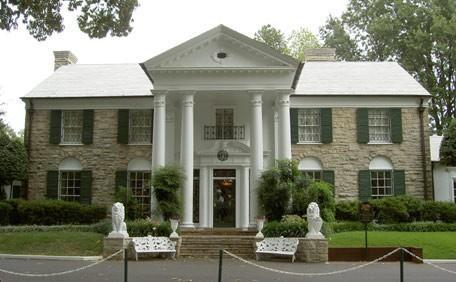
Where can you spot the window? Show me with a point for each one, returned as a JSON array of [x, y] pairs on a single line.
[[140, 127], [72, 127], [70, 186], [309, 125], [139, 182], [311, 168], [379, 126], [381, 183], [224, 122]]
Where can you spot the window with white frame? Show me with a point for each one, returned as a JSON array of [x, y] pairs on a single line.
[[72, 127], [381, 177], [139, 185], [311, 168], [379, 126], [140, 127], [70, 186], [309, 125], [70, 180]]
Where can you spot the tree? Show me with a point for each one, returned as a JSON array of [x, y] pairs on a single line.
[[448, 146], [167, 182], [419, 34], [299, 40], [272, 37], [42, 18]]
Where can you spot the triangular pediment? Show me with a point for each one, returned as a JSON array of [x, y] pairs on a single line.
[[220, 47]]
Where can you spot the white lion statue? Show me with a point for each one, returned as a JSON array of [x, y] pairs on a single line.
[[119, 228], [314, 222]]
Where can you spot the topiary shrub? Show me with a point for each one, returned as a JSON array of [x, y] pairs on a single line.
[[167, 181], [347, 210], [448, 145], [321, 193]]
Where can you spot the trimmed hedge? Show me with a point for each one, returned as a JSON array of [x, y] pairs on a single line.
[[53, 212], [102, 227], [144, 227], [347, 210], [5, 211]]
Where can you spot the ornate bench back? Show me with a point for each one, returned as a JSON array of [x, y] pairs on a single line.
[[278, 244], [150, 243]]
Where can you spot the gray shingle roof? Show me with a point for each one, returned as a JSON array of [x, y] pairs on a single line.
[[110, 80], [356, 78]]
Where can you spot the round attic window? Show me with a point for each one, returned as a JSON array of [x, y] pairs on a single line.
[[221, 55]]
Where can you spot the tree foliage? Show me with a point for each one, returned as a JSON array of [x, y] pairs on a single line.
[[167, 182], [42, 18], [419, 34], [448, 146], [299, 40]]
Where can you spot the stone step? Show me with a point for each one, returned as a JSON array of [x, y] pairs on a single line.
[[217, 231]]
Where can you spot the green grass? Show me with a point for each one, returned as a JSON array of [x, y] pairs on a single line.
[[436, 245], [60, 243]]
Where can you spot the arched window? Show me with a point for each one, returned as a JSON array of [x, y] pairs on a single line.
[[311, 167], [381, 177], [70, 180], [139, 177]]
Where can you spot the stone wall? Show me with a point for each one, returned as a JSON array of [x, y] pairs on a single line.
[[346, 157], [103, 157]]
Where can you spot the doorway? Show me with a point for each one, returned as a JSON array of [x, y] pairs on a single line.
[[224, 197]]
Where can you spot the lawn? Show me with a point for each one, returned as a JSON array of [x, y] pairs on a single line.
[[60, 243], [436, 245]]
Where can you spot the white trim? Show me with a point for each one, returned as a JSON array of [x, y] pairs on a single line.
[[380, 163], [93, 103], [354, 101]]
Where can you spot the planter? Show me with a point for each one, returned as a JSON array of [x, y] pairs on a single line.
[[174, 225], [260, 225]]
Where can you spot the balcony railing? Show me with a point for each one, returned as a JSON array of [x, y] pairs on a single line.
[[224, 132]]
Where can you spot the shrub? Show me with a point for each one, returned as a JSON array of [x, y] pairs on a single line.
[[414, 207], [347, 210], [131, 206], [277, 229], [273, 194], [166, 182], [5, 211], [14, 215], [144, 227], [293, 218], [321, 193], [55, 212], [390, 210]]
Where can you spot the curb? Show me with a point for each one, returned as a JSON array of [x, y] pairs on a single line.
[[440, 260], [42, 257]]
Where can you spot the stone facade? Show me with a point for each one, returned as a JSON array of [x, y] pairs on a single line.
[[103, 157], [312, 250], [346, 157]]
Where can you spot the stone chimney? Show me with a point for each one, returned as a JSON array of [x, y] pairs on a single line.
[[320, 55], [63, 58]]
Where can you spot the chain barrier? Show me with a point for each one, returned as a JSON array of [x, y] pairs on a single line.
[[429, 263], [63, 272], [312, 274]]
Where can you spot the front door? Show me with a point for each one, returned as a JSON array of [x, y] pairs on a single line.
[[224, 197]]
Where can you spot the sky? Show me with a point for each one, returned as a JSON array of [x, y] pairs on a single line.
[[157, 27]]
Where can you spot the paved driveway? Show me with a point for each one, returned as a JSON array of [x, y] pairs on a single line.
[[205, 270]]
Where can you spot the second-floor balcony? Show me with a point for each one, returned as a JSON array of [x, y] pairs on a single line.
[[224, 132]]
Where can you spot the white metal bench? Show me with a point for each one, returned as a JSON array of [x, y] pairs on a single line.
[[149, 244], [278, 246]]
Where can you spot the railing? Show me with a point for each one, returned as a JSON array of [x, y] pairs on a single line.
[[224, 132]]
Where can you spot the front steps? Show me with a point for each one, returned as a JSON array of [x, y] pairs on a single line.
[[207, 243]]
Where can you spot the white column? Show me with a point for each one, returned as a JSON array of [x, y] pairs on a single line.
[[245, 198], [284, 127], [187, 158], [158, 142], [204, 198], [256, 150]]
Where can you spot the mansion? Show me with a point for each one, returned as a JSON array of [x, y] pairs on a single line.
[[224, 107]]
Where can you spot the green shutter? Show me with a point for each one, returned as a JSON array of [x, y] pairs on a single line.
[[87, 129], [52, 184], [121, 179], [55, 127], [364, 182], [326, 126], [399, 182], [123, 117], [362, 122], [396, 125], [86, 187], [294, 125], [152, 127], [328, 177]]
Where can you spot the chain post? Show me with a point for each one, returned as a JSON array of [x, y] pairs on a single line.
[[220, 265], [126, 265], [402, 264]]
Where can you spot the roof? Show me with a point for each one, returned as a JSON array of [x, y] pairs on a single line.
[[435, 142], [110, 80], [357, 78]]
